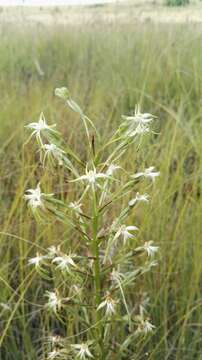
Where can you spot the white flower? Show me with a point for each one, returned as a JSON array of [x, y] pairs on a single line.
[[82, 350], [53, 251], [34, 197], [76, 207], [140, 130], [138, 117], [145, 327], [111, 169], [65, 262], [150, 249], [124, 232], [54, 301], [39, 127], [55, 151], [109, 304], [139, 197], [54, 354], [36, 260], [116, 276], [147, 173], [5, 307], [91, 177]]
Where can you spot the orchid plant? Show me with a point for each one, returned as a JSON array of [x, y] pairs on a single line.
[[91, 281]]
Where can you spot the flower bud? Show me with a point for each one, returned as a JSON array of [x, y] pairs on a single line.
[[63, 93]]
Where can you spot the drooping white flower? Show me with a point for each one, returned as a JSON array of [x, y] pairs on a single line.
[[147, 173], [109, 304], [39, 127], [34, 197], [65, 262], [138, 117], [124, 231], [82, 350], [54, 151], [54, 301], [139, 198]]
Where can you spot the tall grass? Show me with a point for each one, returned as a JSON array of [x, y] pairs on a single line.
[[109, 70]]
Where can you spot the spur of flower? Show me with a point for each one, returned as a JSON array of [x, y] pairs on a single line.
[[52, 150], [124, 231], [54, 302], [82, 350], [65, 262], [139, 198], [40, 127], [150, 249], [109, 304], [147, 173], [34, 197]]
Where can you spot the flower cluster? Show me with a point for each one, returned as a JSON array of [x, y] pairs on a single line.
[[91, 283]]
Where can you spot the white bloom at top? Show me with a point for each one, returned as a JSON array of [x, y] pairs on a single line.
[[111, 169], [54, 301], [147, 173], [36, 260], [65, 262], [150, 249], [138, 117], [82, 350], [124, 231], [55, 151], [139, 198], [145, 327], [34, 197], [91, 177], [110, 304], [39, 127]]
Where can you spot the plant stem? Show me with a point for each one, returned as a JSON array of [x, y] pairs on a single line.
[[97, 278]]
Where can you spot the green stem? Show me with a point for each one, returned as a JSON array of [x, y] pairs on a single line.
[[97, 277]]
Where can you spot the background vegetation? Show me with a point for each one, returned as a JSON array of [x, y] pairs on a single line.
[[108, 70]]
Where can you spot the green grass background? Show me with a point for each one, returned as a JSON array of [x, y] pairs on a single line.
[[108, 69]]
